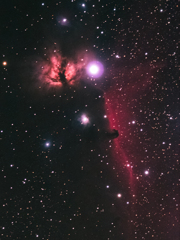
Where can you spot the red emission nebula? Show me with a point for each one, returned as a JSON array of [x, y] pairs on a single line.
[[51, 69], [118, 99], [124, 93]]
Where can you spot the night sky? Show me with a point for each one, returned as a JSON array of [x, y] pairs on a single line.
[[89, 120]]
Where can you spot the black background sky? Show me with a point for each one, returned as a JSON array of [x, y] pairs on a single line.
[[85, 185]]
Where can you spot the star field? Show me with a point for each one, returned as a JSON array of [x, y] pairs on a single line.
[[89, 130]]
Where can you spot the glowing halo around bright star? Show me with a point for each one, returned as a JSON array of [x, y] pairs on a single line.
[[47, 144], [84, 119], [95, 69]]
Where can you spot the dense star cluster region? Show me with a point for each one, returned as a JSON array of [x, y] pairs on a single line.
[[89, 130]]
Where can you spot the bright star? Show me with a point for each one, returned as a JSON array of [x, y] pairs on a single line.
[[84, 119], [4, 63], [95, 69], [119, 195], [146, 172]]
